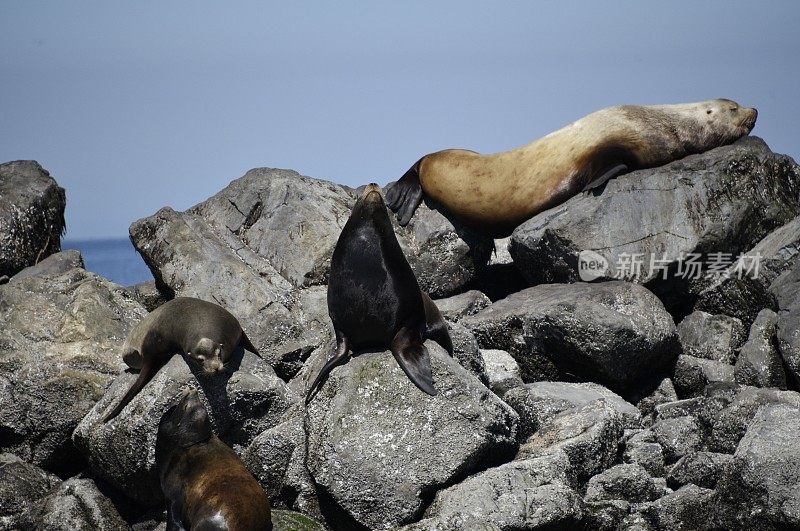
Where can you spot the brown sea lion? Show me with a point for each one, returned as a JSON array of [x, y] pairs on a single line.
[[204, 331], [206, 485], [498, 192], [374, 300]]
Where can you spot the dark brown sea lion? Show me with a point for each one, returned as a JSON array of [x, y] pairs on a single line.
[[205, 483], [204, 331], [374, 300], [497, 192]]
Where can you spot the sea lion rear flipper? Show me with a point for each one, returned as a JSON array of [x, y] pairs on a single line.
[[405, 195], [149, 369], [436, 328], [245, 343], [413, 358], [338, 358], [601, 180]]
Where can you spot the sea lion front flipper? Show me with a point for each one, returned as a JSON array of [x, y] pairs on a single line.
[[338, 358], [245, 343], [149, 369], [601, 180], [435, 327], [413, 358], [405, 195]]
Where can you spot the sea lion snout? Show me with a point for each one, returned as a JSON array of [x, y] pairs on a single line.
[[372, 192], [750, 117]]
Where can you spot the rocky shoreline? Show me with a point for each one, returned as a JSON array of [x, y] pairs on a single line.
[[652, 400]]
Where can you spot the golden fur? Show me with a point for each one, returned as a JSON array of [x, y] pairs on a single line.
[[499, 191]]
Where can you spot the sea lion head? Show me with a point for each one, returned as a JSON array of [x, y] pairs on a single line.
[[708, 124], [185, 423], [737, 121], [370, 205], [210, 355]]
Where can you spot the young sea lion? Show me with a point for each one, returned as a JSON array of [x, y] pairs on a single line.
[[205, 483], [498, 192], [204, 331], [374, 300]]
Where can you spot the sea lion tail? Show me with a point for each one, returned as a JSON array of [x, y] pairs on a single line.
[[245, 343], [404, 196], [145, 375]]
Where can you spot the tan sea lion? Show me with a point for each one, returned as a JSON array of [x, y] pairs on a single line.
[[374, 300], [204, 331], [205, 483], [497, 192]]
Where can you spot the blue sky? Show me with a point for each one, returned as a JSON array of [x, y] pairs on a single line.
[[136, 105]]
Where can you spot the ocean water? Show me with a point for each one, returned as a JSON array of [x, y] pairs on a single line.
[[116, 259]]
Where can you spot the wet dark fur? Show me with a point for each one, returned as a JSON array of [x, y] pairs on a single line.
[[206, 485], [374, 300]]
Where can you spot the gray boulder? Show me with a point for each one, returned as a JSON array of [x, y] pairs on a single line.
[[466, 351], [75, 504], [147, 294], [461, 305], [689, 508], [691, 375], [588, 435], [744, 296], [282, 218], [614, 333], [539, 402], [678, 436], [723, 200], [699, 468], [242, 402], [21, 484], [711, 337], [759, 364], [662, 394], [732, 421], [530, 494], [31, 215], [277, 458], [377, 444], [283, 520], [628, 482], [502, 370], [647, 454], [786, 288], [762, 487], [445, 255], [59, 342], [54, 265], [788, 335]]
